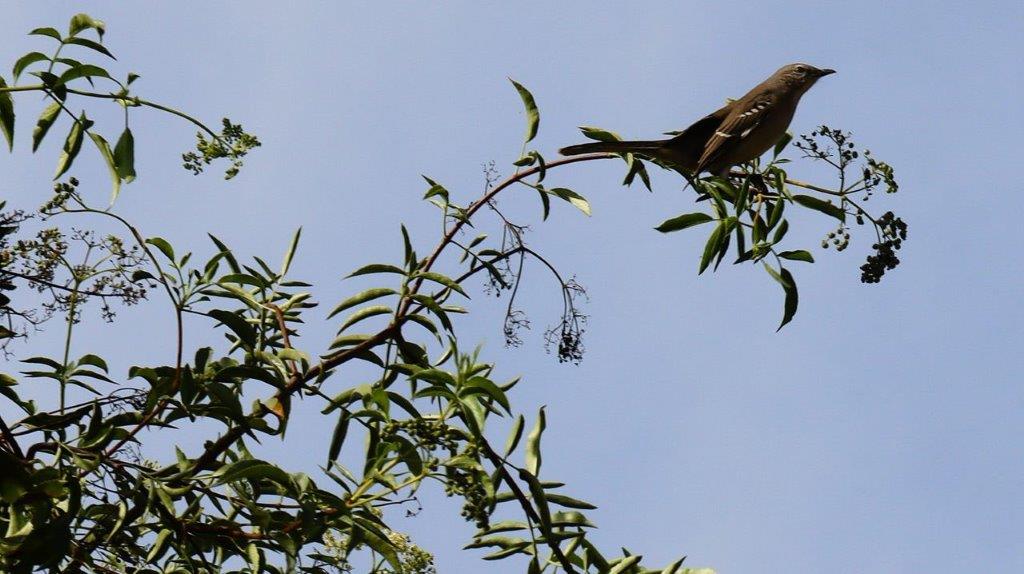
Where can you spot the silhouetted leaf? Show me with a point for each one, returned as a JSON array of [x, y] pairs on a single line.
[[7, 115], [798, 255], [821, 205], [532, 114], [683, 221]]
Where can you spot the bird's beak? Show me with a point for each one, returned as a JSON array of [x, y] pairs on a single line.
[[826, 72]]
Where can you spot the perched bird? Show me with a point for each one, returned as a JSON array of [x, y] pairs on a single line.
[[738, 132]]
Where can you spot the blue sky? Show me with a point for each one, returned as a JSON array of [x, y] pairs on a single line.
[[879, 432]]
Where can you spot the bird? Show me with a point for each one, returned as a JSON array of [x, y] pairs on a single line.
[[736, 133]]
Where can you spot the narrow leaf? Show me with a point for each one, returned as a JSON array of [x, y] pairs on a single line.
[[514, 435], [72, 145], [377, 268], [798, 255], [364, 313], [533, 456], [532, 114], [683, 221], [46, 119], [711, 248], [782, 143], [287, 263], [238, 325], [360, 298], [91, 44], [108, 158], [124, 156], [820, 205], [7, 115], [572, 197]]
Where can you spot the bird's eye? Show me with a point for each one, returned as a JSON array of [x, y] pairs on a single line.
[[801, 69]]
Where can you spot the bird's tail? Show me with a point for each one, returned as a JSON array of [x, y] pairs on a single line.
[[617, 147]]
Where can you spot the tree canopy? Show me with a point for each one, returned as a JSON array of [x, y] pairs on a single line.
[[413, 405]]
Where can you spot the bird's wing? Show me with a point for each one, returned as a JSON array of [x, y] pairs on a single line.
[[738, 125]]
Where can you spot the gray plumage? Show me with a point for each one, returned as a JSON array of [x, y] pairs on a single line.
[[736, 133]]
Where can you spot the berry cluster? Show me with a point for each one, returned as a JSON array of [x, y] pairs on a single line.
[[467, 483], [840, 238], [62, 192], [232, 143], [430, 434], [843, 151], [894, 233]]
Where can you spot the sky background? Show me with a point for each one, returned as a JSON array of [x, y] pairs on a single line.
[[879, 432]]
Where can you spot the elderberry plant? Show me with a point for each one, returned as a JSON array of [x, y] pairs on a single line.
[[78, 492]]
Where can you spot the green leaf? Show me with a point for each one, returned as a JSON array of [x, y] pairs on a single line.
[[26, 61], [636, 167], [410, 253], [600, 134], [159, 545], [820, 205], [82, 21], [238, 325], [83, 71], [776, 214], [798, 255], [7, 115], [785, 278], [443, 280], [545, 202], [781, 231], [364, 313], [91, 44], [72, 145], [435, 189], [376, 268], [568, 502], [539, 498], [124, 156], [287, 263], [164, 247], [514, 435], [533, 456], [782, 143], [792, 297], [255, 556], [251, 469], [46, 119], [625, 564], [93, 360], [683, 221], [480, 385], [572, 197], [108, 157], [532, 114], [360, 298], [47, 32], [714, 244]]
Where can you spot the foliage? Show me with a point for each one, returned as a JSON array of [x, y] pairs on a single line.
[[76, 493]]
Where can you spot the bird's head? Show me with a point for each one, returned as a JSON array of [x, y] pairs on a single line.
[[801, 75]]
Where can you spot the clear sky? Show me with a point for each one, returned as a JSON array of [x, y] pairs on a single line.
[[879, 432]]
